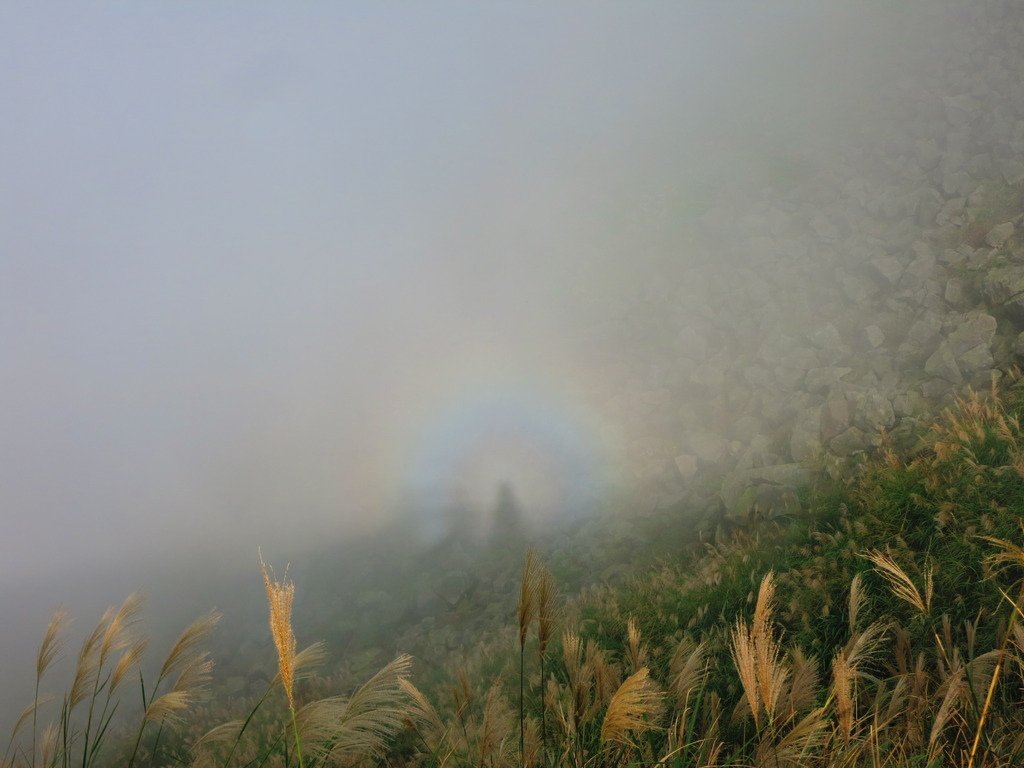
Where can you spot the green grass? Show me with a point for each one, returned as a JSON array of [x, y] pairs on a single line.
[[948, 514]]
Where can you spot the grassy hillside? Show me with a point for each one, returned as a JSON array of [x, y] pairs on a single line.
[[877, 627]]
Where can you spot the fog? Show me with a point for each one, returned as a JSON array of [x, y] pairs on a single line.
[[276, 275]]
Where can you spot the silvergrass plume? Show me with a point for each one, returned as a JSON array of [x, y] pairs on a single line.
[[634, 707], [87, 662], [526, 611], [545, 620], [280, 595], [527, 606], [128, 661], [758, 656], [900, 582], [545, 607], [49, 648], [118, 632], [52, 641], [360, 726], [188, 641]]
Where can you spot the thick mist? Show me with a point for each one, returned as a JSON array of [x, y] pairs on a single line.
[[276, 276]]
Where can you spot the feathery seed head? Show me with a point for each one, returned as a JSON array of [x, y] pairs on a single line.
[[545, 599], [858, 601], [88, 662], [634, 707], [52, 641], [279, 598], [900, 583], [182, 652], [527, 607], [129, 659], [117, 634]]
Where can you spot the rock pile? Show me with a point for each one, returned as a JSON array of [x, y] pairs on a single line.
[[885, 282]]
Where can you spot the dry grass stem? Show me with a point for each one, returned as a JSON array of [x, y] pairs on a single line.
[[545, 601]]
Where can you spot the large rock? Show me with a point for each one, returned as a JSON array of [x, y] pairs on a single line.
[[927, 153], [805, 441], [942, 364], [954, 293], [971, 341], [952, 212], [686, 464], [849, 442], [921, 336], [708, 447], [1012, 170], [960, 110], [757, 453], [858, 289], [888, 269], [921, 267], [825, 337], [979, 328], [783, 475], [835, 416], [1004, 287], [874, 336], [821, 380], [873, 411], [909, 403], [999, 234]]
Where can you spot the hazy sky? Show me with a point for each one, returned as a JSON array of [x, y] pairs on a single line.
[[262, 267]]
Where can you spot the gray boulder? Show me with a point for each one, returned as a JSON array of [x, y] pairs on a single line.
[[708, 447], [821, 380], [835, 416], [971, 342], [849, 442], [736, 484], [1004, 286], [874, 336], [888, 269], [873, 411], [1012, 170], [686, 463], [942, 364], [805, 441], [999, 234], [954, 294]]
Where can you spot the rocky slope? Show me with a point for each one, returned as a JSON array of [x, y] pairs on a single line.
[[826, 308]]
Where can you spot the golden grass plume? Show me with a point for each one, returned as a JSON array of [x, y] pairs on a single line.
[[360, 725], [280, 595], [526, 608], [635, 707], [900, 583]]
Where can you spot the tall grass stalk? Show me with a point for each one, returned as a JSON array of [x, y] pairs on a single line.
[[526, 611], [48, 651], [545, 598], [280, 595], [1008, 553]]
